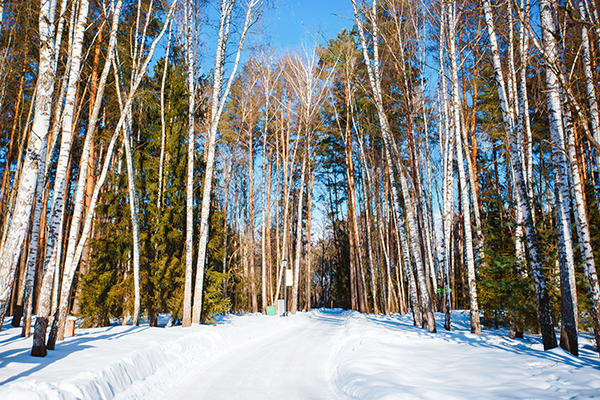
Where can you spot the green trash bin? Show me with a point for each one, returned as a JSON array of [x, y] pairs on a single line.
[[271, 311]]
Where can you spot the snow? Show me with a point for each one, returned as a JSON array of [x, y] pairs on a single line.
[[322, 354]]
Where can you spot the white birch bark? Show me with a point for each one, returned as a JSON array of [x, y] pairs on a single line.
[[468, 236], [32, 260], [75, 247], [589, 77], [55, 224], [544, 315], [374, 79], [219, 98], [135, 224], [524, 119], [583, 230], [80, 189], [189, 202], [561, 174], [447, 147], [35, 158], [163, 133]]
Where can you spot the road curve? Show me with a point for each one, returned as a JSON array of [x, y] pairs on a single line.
[[292, 365]]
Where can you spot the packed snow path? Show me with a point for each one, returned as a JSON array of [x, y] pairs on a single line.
[[324, 354], [293, 364]]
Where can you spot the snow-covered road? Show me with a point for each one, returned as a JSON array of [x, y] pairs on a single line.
[[323, 354], [293, 364]]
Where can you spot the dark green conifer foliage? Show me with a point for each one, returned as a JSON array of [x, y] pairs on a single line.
[[108, 286]]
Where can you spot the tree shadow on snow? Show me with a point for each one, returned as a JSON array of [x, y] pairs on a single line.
[[489, 339], [81, 341]]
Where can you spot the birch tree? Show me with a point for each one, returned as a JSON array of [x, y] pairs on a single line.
[[77, 241], [470, 255], [543, 301], [392, 151], [35, 158], [189, 209], [220, 92], [60, 182]]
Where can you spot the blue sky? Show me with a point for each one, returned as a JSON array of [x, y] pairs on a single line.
[[296, 22]]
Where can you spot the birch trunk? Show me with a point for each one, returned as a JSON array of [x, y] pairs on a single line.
[[374, 79], [55, 225], [135, 224], [163, 134], [561, 178], [189, 203], [32, 258], [35, 159], [583, 230], [80, 190], [447, 146], [468, 238], [75, 247], [250, 226], [589, 77], [543, 301], [218, 102]]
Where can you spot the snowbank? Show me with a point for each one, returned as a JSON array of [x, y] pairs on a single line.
[[385, 357], [122, 361], [358, 356]]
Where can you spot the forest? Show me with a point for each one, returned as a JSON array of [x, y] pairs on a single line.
[[161, 157]]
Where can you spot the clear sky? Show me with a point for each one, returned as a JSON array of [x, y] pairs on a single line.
[[297, 22]]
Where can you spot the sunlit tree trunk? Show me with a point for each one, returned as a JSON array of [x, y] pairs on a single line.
[[189, 189], [308, 258], [447, 147], [135, 225], [468, 237], [219, 97], [298, 254], [55, 225], [35, 159], [589, 76], [75, 247], [374, 79], [163, 134], [250, 225], [543, 301]]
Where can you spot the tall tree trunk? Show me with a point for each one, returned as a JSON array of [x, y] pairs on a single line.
[[474, 306], [265, 206], [163, 133], [298, 255], [250, 226], [218, 102], [189, 203], [35, 159], [543, 301], [55, 226], [135, 223], [309, 200], [75, 247]]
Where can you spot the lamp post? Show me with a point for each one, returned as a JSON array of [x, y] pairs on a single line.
[[284, 266]]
